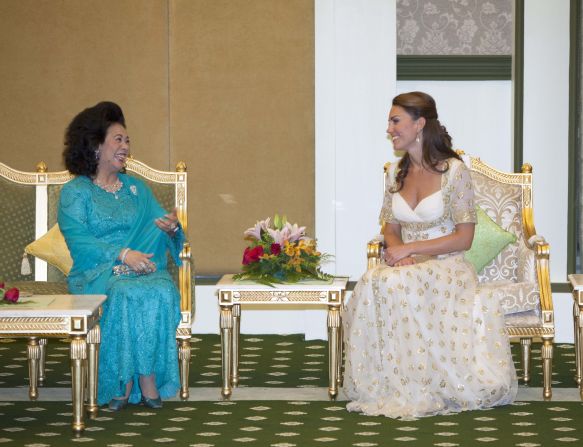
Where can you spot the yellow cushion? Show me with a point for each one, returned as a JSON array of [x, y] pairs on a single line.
[[52, 248]]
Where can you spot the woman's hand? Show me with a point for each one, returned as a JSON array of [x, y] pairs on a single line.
[[168, 223], [405, 261], [140, 262], [396, 253]]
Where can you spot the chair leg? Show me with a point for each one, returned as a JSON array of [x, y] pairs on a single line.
[[184, 357], [547, 355], [525, 349]]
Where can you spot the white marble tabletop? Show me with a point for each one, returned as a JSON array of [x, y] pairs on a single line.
[[53, 305]]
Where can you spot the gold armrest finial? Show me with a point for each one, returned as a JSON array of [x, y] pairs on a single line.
[[41, 167]]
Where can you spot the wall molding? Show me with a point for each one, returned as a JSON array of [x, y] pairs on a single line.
[[518, 84], [574, 139], [454, 67]]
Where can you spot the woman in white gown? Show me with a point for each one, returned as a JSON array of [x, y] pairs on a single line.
[[419, 341]]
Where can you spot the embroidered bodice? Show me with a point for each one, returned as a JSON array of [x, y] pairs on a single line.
[[436, 215]]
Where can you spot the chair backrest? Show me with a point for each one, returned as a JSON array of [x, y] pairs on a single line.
[[32, 210], [507, 199], [25, 216]]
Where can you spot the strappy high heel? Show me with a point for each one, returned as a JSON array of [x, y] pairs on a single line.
[[155, 403], [118, 404]]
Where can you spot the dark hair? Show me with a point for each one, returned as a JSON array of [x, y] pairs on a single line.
[[436, 144], [84, 135]]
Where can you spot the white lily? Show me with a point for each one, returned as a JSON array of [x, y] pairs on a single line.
[[255, 232], [295, 232]]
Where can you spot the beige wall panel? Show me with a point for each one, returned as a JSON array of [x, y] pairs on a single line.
[[60, 56], [242, 116]]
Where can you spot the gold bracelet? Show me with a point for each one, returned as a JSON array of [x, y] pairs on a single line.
[[124, 253]]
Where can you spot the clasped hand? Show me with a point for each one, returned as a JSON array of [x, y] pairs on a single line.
[[398, 255], [168, 222], [140, 262]]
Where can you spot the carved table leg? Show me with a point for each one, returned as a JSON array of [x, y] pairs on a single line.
[[78, 358], [547, 355], [93, 343], [579, 347], [339, 373], [525, 345], [33, 354], [235, 341], [333, 332], [42, 344], [184, 357], [577, 330], [226, 324]]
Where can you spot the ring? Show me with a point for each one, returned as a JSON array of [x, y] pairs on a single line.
[[142, 265]]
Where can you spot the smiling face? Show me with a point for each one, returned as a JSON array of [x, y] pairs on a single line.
[[403, 129], [114, 151]]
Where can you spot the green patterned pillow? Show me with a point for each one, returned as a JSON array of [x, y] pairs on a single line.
[[489, 240]]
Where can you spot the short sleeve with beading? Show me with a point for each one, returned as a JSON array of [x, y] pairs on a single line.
[[462, 194]]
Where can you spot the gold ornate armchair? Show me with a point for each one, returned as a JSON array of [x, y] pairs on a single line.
[[30, 210], [521, 269]]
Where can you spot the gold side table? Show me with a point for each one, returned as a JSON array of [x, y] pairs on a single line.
[[577, 286], [232, 294], [73, 316]]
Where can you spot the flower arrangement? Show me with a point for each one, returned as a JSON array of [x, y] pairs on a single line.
[[280, 253], [9, 295]]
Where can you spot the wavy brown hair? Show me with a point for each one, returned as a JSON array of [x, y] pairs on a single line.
[[436, 145]]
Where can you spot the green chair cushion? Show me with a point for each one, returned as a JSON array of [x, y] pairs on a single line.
[[489, 240]]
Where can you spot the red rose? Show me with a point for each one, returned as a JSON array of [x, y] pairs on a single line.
[[275, 249], [252, 254], [12, 295]]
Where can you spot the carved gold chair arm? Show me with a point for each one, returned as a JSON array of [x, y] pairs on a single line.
[[185, 278], [374, 251], [542, 254], [541, 249]]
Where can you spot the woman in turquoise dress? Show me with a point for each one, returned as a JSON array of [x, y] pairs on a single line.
[[119, 237]]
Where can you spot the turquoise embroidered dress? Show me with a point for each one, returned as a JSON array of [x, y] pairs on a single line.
[[142, 312]]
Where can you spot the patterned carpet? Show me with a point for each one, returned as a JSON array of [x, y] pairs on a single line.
[[290, 424], [276, 362]]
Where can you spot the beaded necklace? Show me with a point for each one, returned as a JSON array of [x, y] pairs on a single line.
[[112, 188]]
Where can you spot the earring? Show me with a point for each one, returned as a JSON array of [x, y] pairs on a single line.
[[97, 154], [418, 140]]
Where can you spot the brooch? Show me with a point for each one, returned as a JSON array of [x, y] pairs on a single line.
[[134, 190]]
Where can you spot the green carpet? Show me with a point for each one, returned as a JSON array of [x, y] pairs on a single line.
[[265, 360], [290, 424]]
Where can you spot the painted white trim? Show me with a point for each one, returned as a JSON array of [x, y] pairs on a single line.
[[355, 81], [40, 266], [546, 121]]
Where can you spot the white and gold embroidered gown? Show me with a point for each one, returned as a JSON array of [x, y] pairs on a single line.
[[418, 340]]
